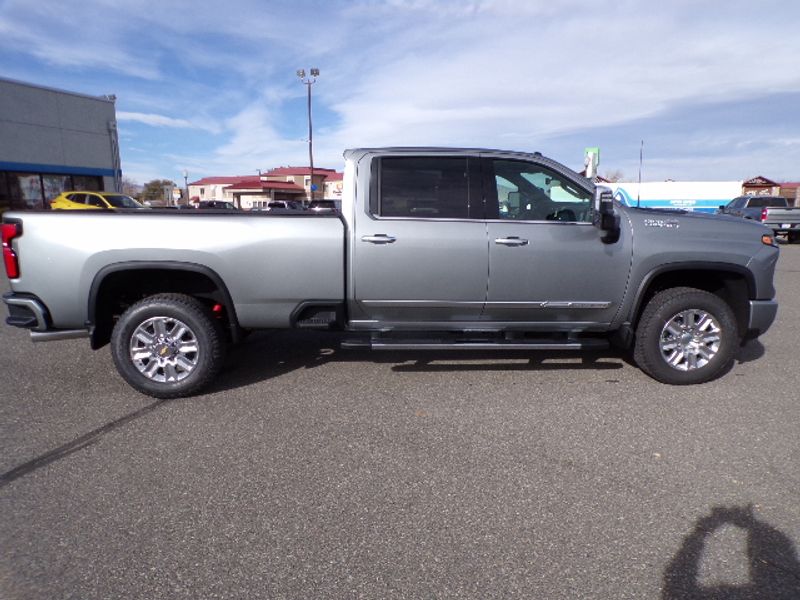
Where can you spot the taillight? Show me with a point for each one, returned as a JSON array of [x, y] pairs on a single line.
[[764, 215], [9, 232]]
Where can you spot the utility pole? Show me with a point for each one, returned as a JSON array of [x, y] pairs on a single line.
[[309, 81], [186, 186]]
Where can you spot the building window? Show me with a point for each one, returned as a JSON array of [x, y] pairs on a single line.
[[54, 185], [5, 196], [25, 191], [30, 187], [87, 183]]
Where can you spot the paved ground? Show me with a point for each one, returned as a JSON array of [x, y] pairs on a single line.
[[311, 472]]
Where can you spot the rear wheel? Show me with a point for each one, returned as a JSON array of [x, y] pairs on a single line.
[[686, 336], [793, 236], [168, 346]]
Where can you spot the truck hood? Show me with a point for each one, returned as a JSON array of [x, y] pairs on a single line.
[[714, 222]]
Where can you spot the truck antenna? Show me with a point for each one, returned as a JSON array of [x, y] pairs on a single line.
[[639, 187]]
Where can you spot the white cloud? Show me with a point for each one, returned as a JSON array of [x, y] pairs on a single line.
[[500, 73], [154, 120], [62, 35]]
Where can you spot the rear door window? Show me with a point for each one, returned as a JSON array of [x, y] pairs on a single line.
[[93, 200], [436, 187]]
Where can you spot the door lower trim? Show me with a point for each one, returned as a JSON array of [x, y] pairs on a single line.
[[577, 304], [422, 303]]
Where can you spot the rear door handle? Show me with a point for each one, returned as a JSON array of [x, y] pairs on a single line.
[[378, 238], [511, 241]]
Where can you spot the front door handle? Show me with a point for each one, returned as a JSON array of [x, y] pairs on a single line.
[[378, 238], [511, 241]]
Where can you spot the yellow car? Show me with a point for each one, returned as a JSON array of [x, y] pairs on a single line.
[[93, 201]]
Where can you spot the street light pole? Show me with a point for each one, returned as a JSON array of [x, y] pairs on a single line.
[[186, 185], [309, 81]]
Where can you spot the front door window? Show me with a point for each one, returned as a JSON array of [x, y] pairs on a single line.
[[530, 192]]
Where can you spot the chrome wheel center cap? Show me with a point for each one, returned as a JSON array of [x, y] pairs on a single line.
[[164, 349], [690, 340]]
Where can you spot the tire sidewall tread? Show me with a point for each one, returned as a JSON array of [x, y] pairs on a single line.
[[197, 316], [662, 307]]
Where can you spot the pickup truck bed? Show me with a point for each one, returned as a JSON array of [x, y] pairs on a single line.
[[269, 262], [782, 220], [772, 211]]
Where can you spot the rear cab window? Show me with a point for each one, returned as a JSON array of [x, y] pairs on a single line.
[[767, 202], [435, 187]]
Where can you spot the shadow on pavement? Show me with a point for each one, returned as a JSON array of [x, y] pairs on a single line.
[[265, 355], [75, 445], [774, 570], [752, 350]]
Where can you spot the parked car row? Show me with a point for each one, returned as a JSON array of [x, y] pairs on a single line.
[[93, 201], [80, 200], [291, 205], [772, 211]]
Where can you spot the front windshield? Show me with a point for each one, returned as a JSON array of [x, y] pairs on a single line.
[[120, 201]]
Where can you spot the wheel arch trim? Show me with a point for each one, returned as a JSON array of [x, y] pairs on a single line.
[[167, 265], [716, 267]]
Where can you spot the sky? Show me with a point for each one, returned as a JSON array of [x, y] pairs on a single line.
[[711, 88]]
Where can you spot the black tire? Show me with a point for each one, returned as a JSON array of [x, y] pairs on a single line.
[[793, 237], [168, 346], [696, 358]]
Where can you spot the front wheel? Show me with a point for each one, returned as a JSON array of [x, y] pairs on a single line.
[[686, 336], [168, 346]]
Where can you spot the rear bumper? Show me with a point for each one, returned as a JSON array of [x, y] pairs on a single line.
[[28, 312], [779, 227], [761, 316]]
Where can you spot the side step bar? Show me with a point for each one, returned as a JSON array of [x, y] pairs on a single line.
[[541, 344]]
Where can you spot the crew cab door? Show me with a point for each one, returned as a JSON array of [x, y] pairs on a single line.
[[547, 262], [419, 247]]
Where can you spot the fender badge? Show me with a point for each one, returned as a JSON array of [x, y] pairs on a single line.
[[663, 223]]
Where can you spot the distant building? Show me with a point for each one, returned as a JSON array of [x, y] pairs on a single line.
[[213, 188], [791, 191], [760, 186], [333, 186], [255, 191], [302, 176], [53, 141], [699, 196]]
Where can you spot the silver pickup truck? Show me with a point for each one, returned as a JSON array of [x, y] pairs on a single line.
[[771, 211], [432, 248]]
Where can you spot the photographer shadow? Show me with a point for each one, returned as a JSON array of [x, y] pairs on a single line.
[[774, 570]]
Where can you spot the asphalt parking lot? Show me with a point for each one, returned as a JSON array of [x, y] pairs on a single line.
[[314, 472]]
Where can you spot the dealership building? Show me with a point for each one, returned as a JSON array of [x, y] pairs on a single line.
[[52, 141]]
